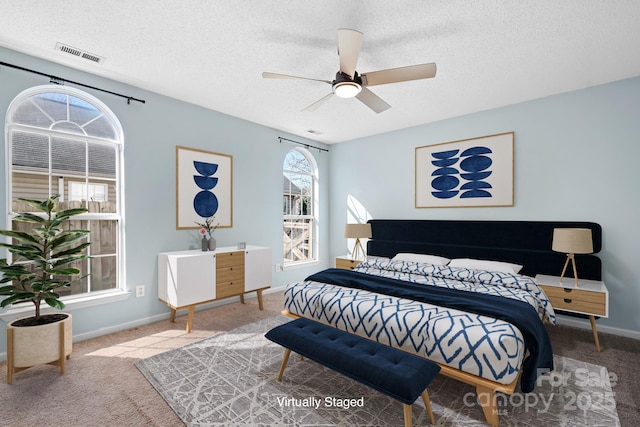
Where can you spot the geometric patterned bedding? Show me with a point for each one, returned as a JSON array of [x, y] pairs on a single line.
[[473, 343]]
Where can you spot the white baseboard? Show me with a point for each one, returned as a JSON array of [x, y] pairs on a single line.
[[152, 319], [157, 318], [577, 322]]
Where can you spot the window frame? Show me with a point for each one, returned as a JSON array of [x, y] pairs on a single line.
[[313, 241], [92, 297]]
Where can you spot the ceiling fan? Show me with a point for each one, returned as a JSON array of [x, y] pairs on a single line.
[[348, 83]]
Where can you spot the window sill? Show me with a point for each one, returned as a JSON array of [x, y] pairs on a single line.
[[301, 264], [73, 303]]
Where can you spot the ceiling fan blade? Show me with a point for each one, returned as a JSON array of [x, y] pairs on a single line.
[[349, 43], [372, 100], [402, 74], [318, 103], [268, 75]]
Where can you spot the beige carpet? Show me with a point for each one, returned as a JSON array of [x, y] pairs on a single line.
[[102, 387]]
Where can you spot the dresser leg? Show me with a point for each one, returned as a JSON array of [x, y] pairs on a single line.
[[190, 316], [595, 332], [259, 292]]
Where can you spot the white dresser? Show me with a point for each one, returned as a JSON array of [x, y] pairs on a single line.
[[188, 278]]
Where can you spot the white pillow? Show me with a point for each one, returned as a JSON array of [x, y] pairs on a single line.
[[480, 264], [429, 259]]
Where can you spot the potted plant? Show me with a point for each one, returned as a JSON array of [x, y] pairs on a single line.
[[40, 265]]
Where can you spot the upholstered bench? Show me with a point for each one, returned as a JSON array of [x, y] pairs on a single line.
[[396, 373]]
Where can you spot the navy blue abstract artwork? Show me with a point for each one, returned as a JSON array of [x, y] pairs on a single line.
[[203, 187], [472, 172], [472, 167], [205, 203]]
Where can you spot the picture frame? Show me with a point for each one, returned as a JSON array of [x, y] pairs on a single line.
[[474, 172], [204, 188]]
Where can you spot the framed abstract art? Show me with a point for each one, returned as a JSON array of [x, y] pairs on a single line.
[[472, 172], [203, 188]]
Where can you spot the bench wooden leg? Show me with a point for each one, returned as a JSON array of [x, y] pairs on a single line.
[[487, 399], [285, 359], [407, 415], [173, 315], [408, 419], [427, 404]]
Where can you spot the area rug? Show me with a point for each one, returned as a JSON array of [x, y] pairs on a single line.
[[230, 379]]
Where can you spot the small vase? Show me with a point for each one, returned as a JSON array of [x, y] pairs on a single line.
[[212, 244], [205, 243]]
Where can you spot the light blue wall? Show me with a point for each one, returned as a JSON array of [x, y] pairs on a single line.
[[152, 131], [576, 158]]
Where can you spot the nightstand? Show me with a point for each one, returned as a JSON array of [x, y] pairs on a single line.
[[590, 298], [346, 262]]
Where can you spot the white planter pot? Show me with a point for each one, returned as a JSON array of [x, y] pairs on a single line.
[[29, 346]]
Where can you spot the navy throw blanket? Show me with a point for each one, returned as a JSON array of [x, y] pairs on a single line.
[[518, 313]]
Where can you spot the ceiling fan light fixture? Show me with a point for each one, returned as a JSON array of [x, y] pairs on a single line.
[[346, 89], [349, 84]]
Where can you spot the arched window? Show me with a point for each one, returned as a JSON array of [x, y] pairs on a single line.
[[64, 141], [299, 207]]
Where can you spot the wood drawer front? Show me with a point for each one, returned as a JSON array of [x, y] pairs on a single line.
[[579, 306], [229, 274], [347, 264], [228, 259], [227, 289], [575, 294], [577, 300], [234, 273]]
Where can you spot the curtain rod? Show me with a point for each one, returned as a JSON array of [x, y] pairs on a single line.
[[60, 80], [302, 143]]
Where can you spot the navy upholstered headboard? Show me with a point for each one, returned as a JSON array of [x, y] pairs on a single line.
[[527, 243]]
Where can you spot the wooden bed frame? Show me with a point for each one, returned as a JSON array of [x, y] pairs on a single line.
[[527, 243]]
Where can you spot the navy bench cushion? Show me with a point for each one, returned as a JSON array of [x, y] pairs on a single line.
[[393, 372]]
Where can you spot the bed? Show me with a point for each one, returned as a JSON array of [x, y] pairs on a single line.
[[481, 322]]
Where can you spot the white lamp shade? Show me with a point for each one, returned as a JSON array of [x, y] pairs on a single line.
[[572, 240], [357, 231]]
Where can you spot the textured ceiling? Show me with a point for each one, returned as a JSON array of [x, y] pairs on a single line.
[[489, 53]]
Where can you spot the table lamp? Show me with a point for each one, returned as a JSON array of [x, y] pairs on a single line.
[[572, 241], [357, 231]]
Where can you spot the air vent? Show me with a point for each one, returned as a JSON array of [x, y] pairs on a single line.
[[80, 53]]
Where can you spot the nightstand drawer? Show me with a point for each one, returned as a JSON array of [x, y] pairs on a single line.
[[577, 305], [574, 294], [347, 264], [576, 300]]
